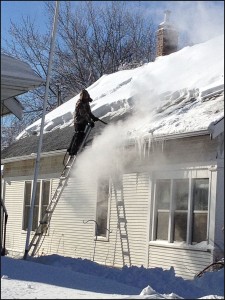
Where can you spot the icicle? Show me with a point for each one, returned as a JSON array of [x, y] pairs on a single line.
[[162, 145]]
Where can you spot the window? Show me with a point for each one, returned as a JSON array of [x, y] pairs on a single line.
[[41, 202], [102, 208], [181, 204]]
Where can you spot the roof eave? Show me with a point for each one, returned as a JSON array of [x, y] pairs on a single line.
[[32, 156], [176, 136]]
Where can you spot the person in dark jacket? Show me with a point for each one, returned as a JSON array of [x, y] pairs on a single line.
[[82, 117]]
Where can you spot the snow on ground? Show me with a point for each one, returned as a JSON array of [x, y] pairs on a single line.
[[59, 277], [169, 96]]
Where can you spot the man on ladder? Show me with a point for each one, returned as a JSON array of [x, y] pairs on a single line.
[[82, 117]]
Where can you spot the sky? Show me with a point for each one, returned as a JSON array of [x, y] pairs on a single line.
[[59, 277], [199, 19]]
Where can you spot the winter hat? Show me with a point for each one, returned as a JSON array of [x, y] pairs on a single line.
[[85, 95]]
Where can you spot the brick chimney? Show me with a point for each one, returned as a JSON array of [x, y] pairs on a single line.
[[167, 37]]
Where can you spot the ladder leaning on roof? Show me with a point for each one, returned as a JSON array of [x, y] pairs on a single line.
[[45, 222]]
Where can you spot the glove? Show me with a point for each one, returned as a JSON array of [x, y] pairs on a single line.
[[92, 124], [94, 118]]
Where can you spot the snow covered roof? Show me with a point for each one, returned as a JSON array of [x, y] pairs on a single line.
[[176, 94]]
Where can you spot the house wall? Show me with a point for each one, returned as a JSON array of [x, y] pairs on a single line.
[[72, 229], [77, 206]]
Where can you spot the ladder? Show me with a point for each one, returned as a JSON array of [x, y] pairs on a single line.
[[45, 221], [122, 226]]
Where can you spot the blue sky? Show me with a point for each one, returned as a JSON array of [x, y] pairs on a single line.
[[201, 18]]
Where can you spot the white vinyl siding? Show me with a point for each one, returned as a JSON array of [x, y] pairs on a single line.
[[14, 195], [186, 262], [70, 233]]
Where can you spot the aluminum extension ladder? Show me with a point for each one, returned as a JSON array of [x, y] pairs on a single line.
[[122, 226], [45, 221]]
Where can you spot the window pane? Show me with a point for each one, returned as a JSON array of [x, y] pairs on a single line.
[[181, 194], [27, 199], [163, 205], [199, 227], [36, 207], [200, 213], [45, 196], [162, 226], [27, 196], [163, 194], [102, 207], [200, 194], [180, 226], [181, 207]]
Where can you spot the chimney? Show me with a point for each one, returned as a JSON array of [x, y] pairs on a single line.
[[167, 37]]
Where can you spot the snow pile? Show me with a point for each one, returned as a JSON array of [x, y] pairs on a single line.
[[54, 276], [162, 281]]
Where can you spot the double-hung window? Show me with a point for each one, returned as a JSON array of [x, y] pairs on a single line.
[[181, 210], [41, 202], [102, 209]]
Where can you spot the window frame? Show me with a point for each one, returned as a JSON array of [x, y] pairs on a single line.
[[41, 206], [191, 175]]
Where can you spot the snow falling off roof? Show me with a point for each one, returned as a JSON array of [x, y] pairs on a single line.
[[178, 93]]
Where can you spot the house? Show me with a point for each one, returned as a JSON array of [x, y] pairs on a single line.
[[147, 189]]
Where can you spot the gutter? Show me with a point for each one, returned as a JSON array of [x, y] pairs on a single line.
[[173, 136]]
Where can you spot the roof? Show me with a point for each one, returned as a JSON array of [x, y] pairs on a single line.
[[55, 140]]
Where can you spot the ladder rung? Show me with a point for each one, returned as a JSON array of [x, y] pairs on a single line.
[[43, 222], [123, 236], [122, 220]]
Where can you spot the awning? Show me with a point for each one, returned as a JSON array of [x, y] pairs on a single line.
[[17, 78]]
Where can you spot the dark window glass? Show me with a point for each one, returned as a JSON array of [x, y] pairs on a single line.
[[45, 196], [36, 207], [27, 199], [181, 209], [102, 208], [200, 210], [162, 225]]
